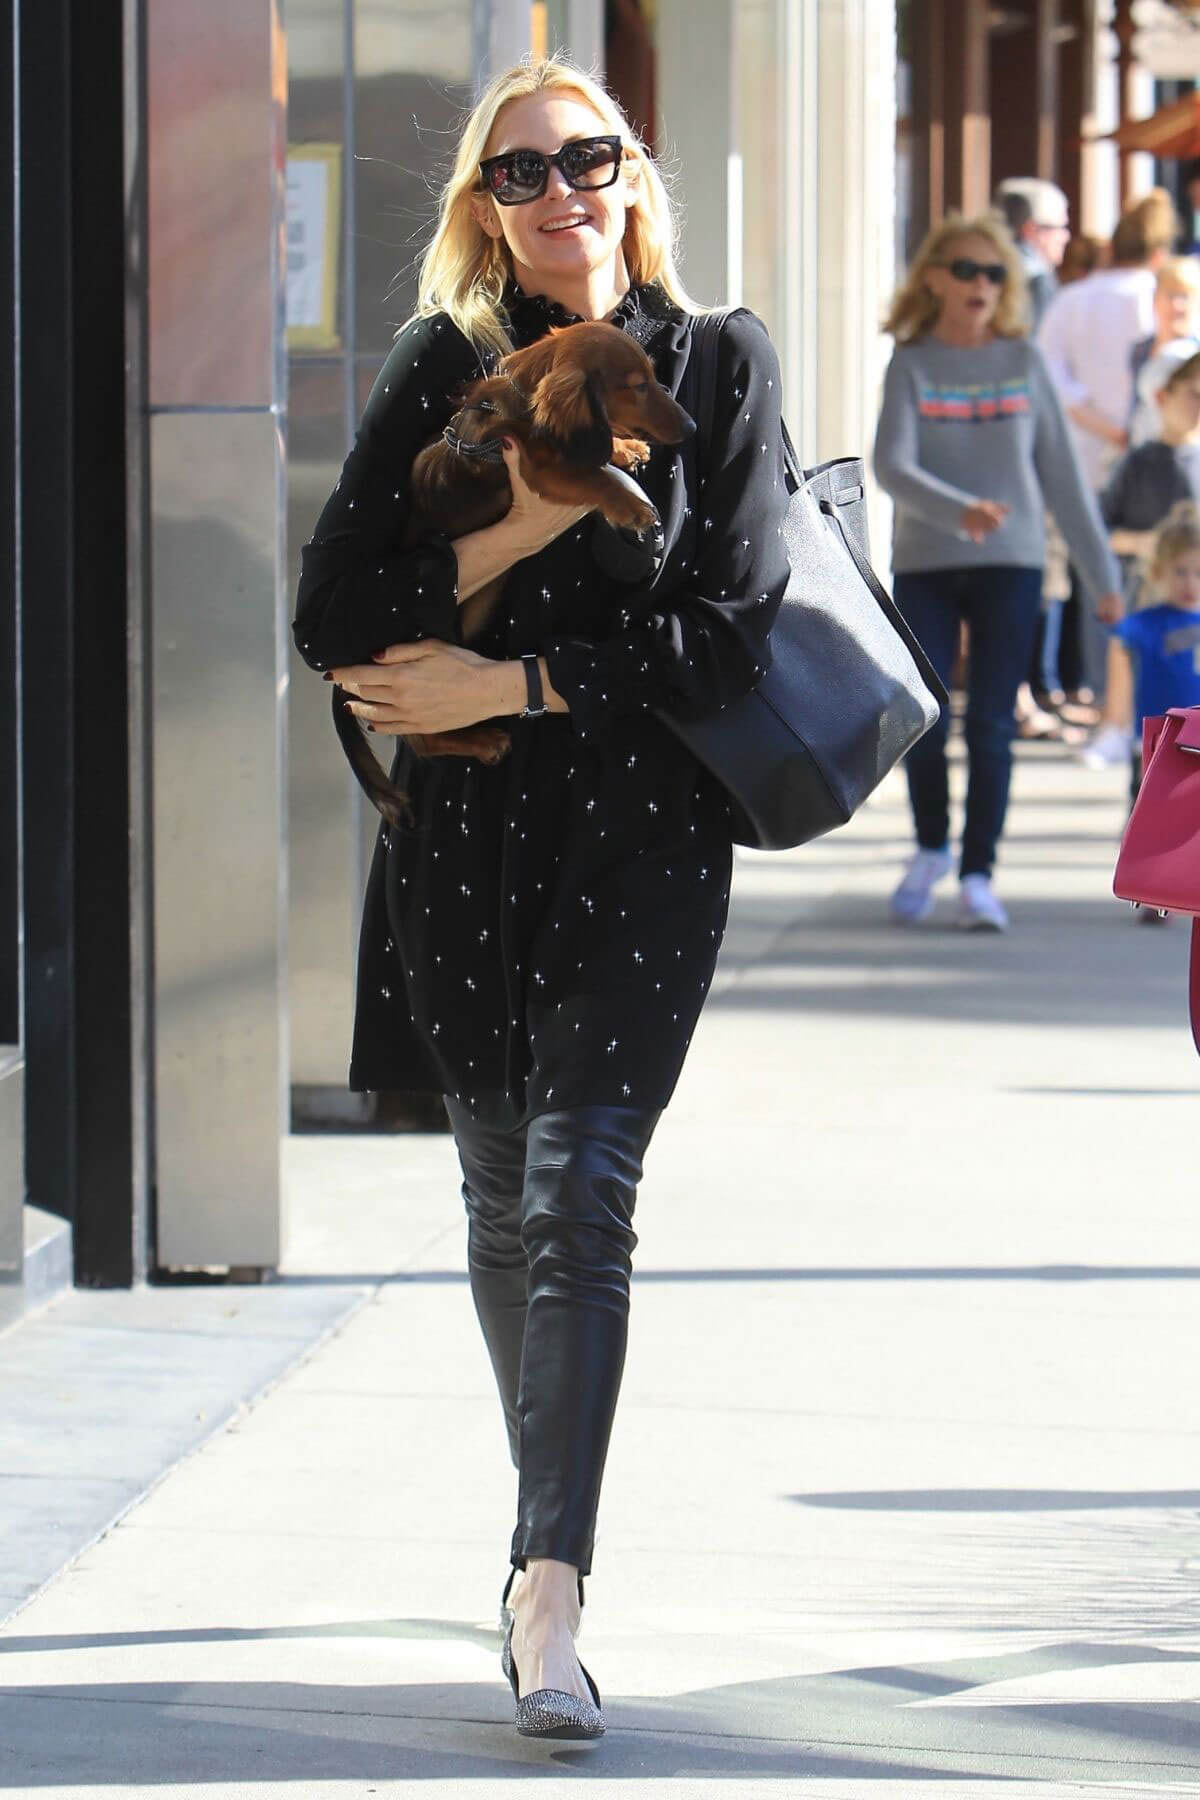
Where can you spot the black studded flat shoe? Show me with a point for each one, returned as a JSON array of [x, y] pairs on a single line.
[[549, 1712], [506, 1610]]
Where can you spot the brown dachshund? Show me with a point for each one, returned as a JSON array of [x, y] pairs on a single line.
[[583, 405]]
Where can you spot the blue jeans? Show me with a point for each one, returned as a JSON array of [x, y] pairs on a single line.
[[1000, 606]]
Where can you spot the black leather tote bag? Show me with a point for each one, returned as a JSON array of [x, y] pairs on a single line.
[[848, 689]]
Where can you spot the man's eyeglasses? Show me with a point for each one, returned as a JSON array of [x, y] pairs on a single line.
[[521, 175], [963, 269]]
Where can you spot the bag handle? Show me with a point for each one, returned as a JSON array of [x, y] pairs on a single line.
[[702, 373], [702, 368]]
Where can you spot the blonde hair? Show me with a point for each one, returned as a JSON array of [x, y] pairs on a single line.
[[463, 272], [1178, 533], [914, 309], [1145, 227], [1180, 274]]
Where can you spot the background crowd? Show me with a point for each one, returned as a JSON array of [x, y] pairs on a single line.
[[1040, 439]]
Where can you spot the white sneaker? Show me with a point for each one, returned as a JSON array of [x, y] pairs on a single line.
[[1111, 745], [978, 907], [913, 899]]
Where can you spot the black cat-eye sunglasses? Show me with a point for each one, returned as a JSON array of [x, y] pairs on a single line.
[[964, 269], [521, 175]]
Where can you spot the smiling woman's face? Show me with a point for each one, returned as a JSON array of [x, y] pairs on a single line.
[[545, 122]]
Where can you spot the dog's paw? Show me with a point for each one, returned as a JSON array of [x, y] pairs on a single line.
[[630, 454], [630, 513], [495, 751]]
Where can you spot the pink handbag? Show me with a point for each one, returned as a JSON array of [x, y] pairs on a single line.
[[1159, 861]]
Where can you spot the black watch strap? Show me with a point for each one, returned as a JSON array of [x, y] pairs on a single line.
[[535, 704]]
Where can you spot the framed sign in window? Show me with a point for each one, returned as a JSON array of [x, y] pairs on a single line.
[[314, 193]]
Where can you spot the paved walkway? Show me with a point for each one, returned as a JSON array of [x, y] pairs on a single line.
[[904, 1489]]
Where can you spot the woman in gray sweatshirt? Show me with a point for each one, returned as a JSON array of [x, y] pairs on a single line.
[[973, 447]]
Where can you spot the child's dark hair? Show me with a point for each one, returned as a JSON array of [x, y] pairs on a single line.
[[1184, 371], [1178, 533]]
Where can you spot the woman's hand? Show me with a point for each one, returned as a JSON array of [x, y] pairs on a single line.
[[983, 517], [1110, 609], [410, 689], [535, 522]]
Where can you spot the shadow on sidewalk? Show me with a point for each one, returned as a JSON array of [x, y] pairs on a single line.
[[875, 1722], [1068, 963]]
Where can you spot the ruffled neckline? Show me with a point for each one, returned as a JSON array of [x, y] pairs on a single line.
[[644, 306]]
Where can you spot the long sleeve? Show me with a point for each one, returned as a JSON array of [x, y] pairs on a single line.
[[359, 587], [897, 466], [1067, 495], [709, 644], [1054, 342]]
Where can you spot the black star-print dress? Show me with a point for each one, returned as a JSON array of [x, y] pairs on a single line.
[[546, 935]]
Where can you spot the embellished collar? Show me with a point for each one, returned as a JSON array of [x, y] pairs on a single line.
[[643, 310]]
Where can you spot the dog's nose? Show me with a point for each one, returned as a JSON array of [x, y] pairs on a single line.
[[688, 424]]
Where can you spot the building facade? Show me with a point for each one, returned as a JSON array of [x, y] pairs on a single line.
[[1030, 87]]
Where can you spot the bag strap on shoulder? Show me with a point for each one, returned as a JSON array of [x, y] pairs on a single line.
[[701, 375]]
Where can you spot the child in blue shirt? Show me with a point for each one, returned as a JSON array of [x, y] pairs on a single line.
[[1140, 493], [1163, 639]]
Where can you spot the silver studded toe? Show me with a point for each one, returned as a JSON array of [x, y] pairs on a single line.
[[549, 1712]]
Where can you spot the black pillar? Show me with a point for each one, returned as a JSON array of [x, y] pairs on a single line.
[[78, 909], [10, 966]]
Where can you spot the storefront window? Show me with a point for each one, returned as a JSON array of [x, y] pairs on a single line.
[[376, 92]]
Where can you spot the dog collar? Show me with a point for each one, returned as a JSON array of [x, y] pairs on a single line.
[[490, 451]]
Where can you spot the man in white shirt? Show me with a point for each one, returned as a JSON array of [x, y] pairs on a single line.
[[1087, 338], [1091, 327]]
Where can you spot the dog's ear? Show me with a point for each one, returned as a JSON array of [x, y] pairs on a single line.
[[569, 405]]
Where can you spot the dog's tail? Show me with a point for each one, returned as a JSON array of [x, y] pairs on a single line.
[[390, 801]]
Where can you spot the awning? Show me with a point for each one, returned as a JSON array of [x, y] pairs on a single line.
[[1173, 130]]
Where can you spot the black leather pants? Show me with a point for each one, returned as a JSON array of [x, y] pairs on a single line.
[[549, 1250]]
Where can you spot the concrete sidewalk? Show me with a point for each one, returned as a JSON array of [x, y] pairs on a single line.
[[904, 1488]]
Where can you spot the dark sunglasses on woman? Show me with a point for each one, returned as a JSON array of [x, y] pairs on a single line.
[[963, 269], [521, 175]]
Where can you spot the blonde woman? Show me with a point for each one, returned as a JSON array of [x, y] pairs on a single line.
[[1155, 357], [539, 947], [973, 447], [1091, 326]]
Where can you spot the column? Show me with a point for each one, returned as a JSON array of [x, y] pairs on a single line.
[[856, 203], [217, 673], [968, 120], [696, 141]]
